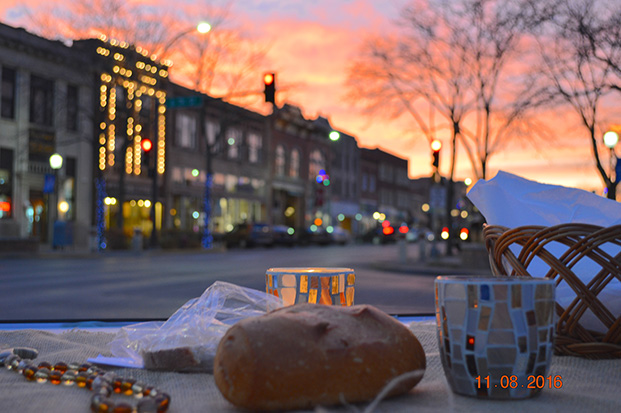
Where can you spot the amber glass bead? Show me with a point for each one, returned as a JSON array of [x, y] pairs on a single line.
[[102, 387], [89, 381], [22, 365], [45, 364], [162, 400], [149, 391], [81, 378], [42, 375], [12, 361], [60, 366], [68, 378], [55, 376], [126, 386], [116, 384], [84, 366], [29, 373], [123, 408], [101, 404], [14, 365]]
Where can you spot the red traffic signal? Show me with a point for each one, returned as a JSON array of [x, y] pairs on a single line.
[[269, 80], [146, 145]]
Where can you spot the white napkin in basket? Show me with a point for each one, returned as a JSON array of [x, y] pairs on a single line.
[[512, 201]]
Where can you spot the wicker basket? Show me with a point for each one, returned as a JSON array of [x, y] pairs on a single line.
[[582, 242]]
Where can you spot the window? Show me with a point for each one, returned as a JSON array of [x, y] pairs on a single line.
[[72, 107], [294, 166], [41, 101], [233, 141], [6, 192], [254, 147], [185, 131], [280, 161], [7, 104], [316, 163]]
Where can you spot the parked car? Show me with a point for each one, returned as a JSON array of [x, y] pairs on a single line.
[[377, 236], [417, 234], [246, 235], [284, 235], [340, 236], [318, 237]]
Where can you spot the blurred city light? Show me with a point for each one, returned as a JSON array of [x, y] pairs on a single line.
[[203, 27], [445, 233], [334, 136], [463, 234], [611, 138]]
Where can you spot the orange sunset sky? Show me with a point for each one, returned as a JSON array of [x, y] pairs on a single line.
[[311, 45]]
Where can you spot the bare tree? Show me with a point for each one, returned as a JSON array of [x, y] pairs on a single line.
[[220, 63], [581, 51], [456, 57], [453, 57]]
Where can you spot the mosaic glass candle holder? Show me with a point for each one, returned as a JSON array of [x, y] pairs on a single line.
[[316, 285], [496, 335]]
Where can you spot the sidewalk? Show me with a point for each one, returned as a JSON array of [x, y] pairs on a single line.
[[47, 252], [470, 260]]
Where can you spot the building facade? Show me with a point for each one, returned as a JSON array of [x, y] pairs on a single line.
[[231, 144], [45, 108], [344, 173], [138, 151]]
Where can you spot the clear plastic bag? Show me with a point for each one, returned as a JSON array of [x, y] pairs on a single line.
[[188, 340]]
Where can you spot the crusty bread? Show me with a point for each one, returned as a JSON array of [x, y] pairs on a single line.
[[310, 354]]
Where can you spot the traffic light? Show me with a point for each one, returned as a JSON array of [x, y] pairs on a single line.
[[269, 80], [436, 145], [146, 145]]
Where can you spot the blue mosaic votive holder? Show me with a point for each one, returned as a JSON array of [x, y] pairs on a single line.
[[495, 334], [317, 285]]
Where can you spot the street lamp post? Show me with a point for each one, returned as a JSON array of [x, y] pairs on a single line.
[[56, 162], [202, 28], [611, 138]]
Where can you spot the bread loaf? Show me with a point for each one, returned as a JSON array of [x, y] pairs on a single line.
[[306, 355]]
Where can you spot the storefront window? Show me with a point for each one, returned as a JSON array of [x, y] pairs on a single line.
[[6, 192]]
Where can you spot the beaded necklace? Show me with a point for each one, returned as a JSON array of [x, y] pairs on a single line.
[[102, 383]]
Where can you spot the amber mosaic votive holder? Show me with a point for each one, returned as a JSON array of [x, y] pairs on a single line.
[[495, 334], [317, 285]]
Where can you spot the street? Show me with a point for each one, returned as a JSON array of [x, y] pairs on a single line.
[[152, 285]]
